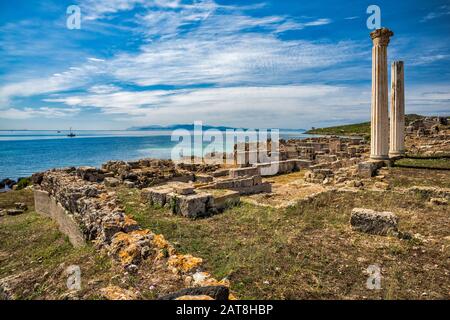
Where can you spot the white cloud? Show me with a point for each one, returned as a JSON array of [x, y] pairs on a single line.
[[221, 50], [224, 60], [281, 106], [43, 112], [96, 60], [103, 89], [428, 58], [98, 9], [255, 77], [289, 106], [74, 77], [442, 11]]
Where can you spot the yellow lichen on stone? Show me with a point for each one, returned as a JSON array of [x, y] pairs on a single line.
[[202, 297], [117, 293], [125, 246], [160, 242], [128, 222], [165, 248], [129, 254], [184, 263]]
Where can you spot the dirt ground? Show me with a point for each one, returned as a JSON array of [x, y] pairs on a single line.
[[287, 190]]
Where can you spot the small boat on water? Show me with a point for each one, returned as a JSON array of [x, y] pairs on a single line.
[[71, 134]]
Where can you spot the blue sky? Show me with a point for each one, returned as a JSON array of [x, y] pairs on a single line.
[[260, 64]]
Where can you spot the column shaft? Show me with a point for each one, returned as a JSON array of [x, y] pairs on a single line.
[[397, 112], [379, 146]]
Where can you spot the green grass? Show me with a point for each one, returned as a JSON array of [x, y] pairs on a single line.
[[438, 163], [309, 251], [32, 248], [23, 183], [358, 129], [401, 177]]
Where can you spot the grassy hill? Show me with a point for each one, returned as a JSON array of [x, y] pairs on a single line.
[[358, 129]]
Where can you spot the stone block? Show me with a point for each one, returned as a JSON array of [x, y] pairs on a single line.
[[21, 206], [111, 182], [194, 206], [203, 178], [129, 184], [242, 172], [158, 196], [215, 292], [14, 212], [439, 201], [46, 205], [183, 189], [221, 173], [373, 222], [257, 180], [244, 183], [227, 199], [369, 169], [264, 187]]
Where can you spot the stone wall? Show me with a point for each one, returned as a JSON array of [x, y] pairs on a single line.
[[87, 211]]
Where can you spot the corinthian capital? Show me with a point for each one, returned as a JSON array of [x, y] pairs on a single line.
[[381, 36]]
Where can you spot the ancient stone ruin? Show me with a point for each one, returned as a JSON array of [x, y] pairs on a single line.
[[384, 146], [86, 210], [379, 120], [397, 112]]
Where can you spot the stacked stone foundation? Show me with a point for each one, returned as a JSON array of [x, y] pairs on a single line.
[[87, 211]]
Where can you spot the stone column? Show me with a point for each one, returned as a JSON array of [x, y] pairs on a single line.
[[379, 144], [397, 113]]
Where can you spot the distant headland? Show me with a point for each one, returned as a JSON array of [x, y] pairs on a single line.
[[190, 127]]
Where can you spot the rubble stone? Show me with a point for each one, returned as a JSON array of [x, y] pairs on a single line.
[[117, 293], [373, 222], [368, 169], [111, 182], [14, 212], [21, 206], [215, 292], [439, 201]]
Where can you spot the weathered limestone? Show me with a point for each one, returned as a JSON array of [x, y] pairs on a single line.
[[373, 222], [225, 200], [318, 175], [183, 200], [369, 169], [203, 178], [244, 172], [397, 112], [157, 196], [47, 205], [214, 292], [430, 192], [379, 109], [86, 210], [111, 182], [244, 185], [192, 206]]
